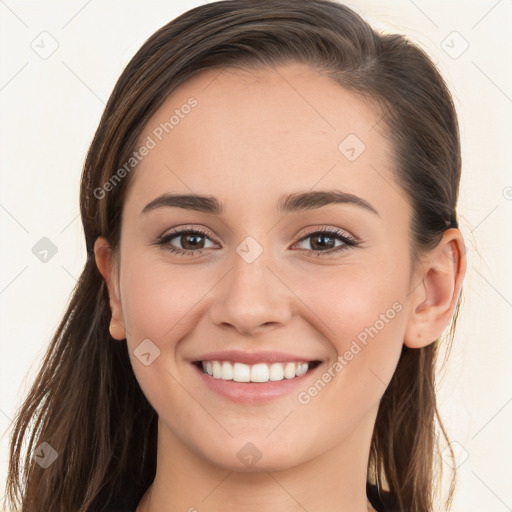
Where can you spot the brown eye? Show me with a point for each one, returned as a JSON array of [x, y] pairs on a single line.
[[191, 241], [185, 242], [327, 241], [322, 241]]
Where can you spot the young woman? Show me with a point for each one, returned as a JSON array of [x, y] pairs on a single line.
[[269, 206]]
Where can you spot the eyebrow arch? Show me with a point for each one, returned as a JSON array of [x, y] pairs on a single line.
[[316, 199], [288, 203]]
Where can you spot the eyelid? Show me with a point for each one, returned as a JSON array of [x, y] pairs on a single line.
[[331, 229], [179, 230], [347, 239], [310, 231]]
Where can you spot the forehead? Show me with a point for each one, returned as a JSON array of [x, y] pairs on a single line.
[[252, 135]]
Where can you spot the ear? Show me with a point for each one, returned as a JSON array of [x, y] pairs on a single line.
[[106, 264], [434, 300]]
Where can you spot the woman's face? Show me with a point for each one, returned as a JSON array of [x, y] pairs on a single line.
[[274, 271]]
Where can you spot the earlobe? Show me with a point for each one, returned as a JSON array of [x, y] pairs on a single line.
[[106, 265], [434, 300]]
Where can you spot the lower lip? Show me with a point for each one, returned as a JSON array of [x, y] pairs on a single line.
[[254, 392]]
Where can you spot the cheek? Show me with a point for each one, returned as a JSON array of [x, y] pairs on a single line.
[[159, 304], [363, 316], [158, 299]]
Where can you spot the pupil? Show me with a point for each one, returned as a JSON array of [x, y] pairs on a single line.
[[322, 245], [193, 245]]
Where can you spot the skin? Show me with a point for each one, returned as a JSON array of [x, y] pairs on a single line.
[[252, 138]]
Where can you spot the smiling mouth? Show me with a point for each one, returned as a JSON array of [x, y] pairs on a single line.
[[254, 373]]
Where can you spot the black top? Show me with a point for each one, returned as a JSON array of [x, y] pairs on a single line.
[[381, 502]]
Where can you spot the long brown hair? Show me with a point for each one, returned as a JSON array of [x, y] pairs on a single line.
[[86, 402]]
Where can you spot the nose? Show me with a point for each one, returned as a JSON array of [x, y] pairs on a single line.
[[252, 298]]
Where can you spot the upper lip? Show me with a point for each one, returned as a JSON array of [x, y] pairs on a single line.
[[239, 356]]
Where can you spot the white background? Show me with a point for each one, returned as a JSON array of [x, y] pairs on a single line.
[[51, 107]]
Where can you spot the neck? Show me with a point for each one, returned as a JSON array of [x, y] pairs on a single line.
[[334, 481]]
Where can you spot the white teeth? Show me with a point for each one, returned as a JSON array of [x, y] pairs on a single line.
[[227, 371], [276, 371], [302, 368], [289, 370], [261, 372], [241, 372], [217, 369], [208, 368]]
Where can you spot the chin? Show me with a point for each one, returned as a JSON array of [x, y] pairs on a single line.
[[255, 457]]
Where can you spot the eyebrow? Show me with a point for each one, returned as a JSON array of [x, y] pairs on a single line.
[[294, 202]]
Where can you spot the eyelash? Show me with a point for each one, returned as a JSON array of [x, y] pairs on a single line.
[[348, 241]]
